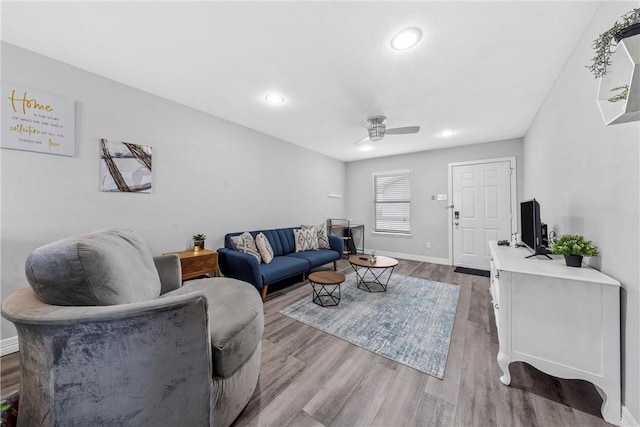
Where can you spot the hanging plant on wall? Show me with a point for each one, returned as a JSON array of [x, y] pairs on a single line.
[[628, 25], [621, 95]]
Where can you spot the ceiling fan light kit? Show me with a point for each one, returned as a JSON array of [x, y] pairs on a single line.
[[377, 129]]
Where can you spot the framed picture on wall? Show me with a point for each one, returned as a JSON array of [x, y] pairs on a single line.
[[33, 120], [125, 167]]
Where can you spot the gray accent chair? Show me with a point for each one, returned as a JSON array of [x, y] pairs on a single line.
[[108, 335]]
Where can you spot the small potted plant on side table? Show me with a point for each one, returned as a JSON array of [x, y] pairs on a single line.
[[573, 247], [198, 242]]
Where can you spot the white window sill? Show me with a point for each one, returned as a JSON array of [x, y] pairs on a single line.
[[383, 234]]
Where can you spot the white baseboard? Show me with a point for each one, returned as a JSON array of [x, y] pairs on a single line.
[[9, 345], [627, 419], [433, 260]]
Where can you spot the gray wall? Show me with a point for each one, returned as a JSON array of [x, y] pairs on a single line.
[[209, 175], [585, 175], [429, 218]]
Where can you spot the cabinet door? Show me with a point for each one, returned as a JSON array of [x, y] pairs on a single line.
[[557, 322], [494, 289], [199, 266]]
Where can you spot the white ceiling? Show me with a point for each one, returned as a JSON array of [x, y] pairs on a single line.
[[481, 68]]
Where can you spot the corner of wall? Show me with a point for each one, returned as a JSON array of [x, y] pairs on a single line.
[[627, 419]]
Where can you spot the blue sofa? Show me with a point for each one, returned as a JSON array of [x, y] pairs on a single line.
[[286, 261]]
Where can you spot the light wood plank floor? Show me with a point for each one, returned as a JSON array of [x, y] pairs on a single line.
[[309, 378]]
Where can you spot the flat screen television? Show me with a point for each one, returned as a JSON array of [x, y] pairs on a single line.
[[531, 227]]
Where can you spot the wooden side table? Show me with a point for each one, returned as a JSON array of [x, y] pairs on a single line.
[[375, 270], [196, 264], [324, 279]]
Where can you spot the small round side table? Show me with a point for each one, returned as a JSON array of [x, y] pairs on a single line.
[[324, 285]]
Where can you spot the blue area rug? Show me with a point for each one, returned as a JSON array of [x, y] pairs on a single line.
[[411, 323]]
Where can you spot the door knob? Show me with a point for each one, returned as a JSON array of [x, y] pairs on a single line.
[[456, 223]]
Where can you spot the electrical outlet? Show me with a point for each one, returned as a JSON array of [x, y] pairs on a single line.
[[428, 245]]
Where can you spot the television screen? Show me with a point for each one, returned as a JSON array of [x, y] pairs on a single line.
[[530, 224]]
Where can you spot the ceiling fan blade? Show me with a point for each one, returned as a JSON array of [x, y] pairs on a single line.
[[366, 138], [365, 124], [399, 131]]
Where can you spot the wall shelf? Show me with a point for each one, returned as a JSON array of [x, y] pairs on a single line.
[[624, 70]]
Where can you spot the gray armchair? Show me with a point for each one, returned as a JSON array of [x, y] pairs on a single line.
[[109, 336]]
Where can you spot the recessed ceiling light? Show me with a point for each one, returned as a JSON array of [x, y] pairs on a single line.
[[366, 148], [274, 98], [447, 133], [406, 38]]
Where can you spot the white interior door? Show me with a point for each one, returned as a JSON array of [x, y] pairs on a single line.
[[481, 211]]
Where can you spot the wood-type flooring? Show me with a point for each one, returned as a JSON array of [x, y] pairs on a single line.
[[311, 379]]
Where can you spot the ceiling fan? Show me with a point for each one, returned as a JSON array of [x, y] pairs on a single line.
[[378, 129]]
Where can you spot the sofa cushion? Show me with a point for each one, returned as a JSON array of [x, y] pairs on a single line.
[[272, 238], [282, 267], [264, 247], [281, 240], [287, 242], [236, 320], [323, 238], [316, 258], [306, 240], [246, 243], [106, 267]]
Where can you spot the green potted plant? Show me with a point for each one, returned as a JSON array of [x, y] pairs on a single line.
[[628, 25], [621, 95], [198, 241], [573, 247]]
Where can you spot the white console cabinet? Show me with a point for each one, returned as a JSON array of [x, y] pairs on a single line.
[[564, 321]]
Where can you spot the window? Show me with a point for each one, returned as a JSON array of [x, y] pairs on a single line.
[[392, 202]]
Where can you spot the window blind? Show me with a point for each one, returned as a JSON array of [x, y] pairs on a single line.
[[392, 202]]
